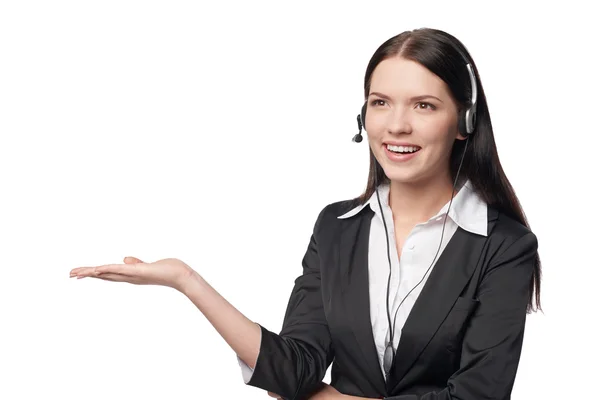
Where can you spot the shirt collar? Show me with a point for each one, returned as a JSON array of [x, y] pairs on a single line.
[[469, 211]]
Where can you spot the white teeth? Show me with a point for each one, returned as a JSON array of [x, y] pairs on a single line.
[[402, 149]]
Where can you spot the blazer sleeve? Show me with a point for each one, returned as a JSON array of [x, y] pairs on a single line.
[[493, 339], [293, 363]]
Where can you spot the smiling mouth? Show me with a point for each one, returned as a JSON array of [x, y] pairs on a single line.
[[402, 149]]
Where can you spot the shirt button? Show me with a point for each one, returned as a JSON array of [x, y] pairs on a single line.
[[411, 246]]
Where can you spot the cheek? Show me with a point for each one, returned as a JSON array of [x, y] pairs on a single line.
[[377, 120], [374, 136], [438, 133], [373, 128]]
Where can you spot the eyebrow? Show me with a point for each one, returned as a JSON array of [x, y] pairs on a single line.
[[415, 98]]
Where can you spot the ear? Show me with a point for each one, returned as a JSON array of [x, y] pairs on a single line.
[[460, 137]]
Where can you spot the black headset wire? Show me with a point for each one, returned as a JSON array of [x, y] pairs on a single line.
[[391, 341], [390, 344]]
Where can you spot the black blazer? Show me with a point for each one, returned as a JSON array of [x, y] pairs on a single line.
[[462, 339]]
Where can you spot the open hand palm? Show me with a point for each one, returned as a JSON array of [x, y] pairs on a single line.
[[169, 272]]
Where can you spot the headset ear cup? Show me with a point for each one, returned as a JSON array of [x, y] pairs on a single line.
[[472, 118], [462, 123], [466, 119], [363, 114]]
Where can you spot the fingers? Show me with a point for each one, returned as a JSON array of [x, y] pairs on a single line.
[[120, 278], [112, 268], [109, 276], [122, 269], [83, 272], [274, 395], [91, 271], [113, 277]]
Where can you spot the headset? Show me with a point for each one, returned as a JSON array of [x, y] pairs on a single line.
[[466, 127]]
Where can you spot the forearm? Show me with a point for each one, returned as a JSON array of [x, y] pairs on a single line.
[[240, 333]]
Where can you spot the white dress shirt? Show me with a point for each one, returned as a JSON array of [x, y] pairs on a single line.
[[468, 211]]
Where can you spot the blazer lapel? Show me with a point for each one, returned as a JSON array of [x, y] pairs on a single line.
[[354, 252], [448, 277]]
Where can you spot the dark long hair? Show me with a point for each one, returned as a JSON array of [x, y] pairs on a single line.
[[436, 51]]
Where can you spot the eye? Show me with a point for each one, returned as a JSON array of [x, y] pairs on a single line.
[[377, 102], [423, 105]]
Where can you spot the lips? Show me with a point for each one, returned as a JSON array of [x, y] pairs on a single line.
[[406, 144], [409, 153], [402, 148]]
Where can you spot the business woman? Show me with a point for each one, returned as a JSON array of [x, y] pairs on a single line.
[[419, 287]]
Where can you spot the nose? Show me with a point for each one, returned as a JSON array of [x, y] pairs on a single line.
[[398, 122]]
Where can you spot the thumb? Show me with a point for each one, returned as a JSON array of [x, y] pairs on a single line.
[[132, 260]]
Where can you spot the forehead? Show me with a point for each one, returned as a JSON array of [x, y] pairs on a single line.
[[400, 77]]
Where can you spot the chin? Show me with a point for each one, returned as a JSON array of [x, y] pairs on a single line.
[[400, 173], [402, 176], [414, 171]]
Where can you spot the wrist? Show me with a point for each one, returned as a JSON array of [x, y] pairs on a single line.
[[188, 281]]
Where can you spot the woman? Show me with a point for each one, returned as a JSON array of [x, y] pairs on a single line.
[[436, 313]]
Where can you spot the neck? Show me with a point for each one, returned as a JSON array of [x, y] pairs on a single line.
[[412, 203]]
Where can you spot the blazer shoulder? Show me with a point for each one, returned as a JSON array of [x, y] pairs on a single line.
[[507, 230]]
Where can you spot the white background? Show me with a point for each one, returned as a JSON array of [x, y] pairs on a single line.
[[215, 133]]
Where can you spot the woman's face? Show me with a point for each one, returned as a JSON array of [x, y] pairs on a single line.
[[411, 121]]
